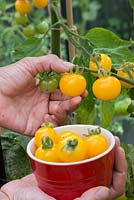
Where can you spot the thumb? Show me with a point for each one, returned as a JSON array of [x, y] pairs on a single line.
[[97, 193]]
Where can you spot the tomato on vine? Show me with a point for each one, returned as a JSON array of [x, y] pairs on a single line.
[[106, 88], [103, 60], [72, 84], [40, 3], [21, 19], [29, 30], [47, 130], [49, 84], [42, 27], [96, 143], [72, 149], [127, 76], [22, 6], [47, 151]]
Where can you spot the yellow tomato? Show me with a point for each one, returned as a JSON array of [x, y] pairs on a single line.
[[106, 88], [49, 154], [44, 132], [65, 134], [96, 144], [72, 149], [104, 62], [40, 3], [47, 151], [22, 6], [72, 84], [126, 75]]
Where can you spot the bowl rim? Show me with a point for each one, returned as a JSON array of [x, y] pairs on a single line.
[[110, 148]]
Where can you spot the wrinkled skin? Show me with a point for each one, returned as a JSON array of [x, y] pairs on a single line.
[[23, 106], [26, 188]]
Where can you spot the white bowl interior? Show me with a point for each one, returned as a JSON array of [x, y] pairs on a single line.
[[80, 130]]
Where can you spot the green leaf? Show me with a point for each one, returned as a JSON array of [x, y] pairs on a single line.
[[131, 3], [105, 41], [129, 150], [28, 48], [15, 157]]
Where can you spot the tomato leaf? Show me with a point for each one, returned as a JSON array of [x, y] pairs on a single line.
[[15, 157], [106, 41], [29, 47]]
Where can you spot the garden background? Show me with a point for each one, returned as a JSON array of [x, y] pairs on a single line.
[[112, 22]]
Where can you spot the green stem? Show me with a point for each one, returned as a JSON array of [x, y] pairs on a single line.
[[130, 81], [55, 32]]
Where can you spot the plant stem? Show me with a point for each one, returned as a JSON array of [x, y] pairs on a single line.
[[70, 25], [55, 32]]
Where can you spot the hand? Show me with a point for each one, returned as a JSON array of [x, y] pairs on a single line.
[[23, 189], [26, 188], [23, 107], [119, 180]]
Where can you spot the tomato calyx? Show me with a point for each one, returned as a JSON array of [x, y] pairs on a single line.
[[47, 142], [70, 145], [47, 125], [95, 131]]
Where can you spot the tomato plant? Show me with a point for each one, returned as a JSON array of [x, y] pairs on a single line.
[[106, 88], [72, 84], [100, 61], [23, 7]]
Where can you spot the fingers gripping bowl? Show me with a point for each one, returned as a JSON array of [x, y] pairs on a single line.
[[68, 180]]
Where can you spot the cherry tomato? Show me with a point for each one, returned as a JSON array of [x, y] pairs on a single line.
[[29, 30], [72, 149], [96, 144], [40, 3], [42, 27], [22, 6], [126, 75], [44, 132], [106, 88], [103, 60], [48, 85], [21, 19], [65, 134], [47, 151], [72, 84]]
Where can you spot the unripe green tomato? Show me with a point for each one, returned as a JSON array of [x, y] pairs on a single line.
[[48, 85], [29, 30], [21, 19], [42, 27]]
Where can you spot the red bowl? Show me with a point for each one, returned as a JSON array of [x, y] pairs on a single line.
[[66, 181]]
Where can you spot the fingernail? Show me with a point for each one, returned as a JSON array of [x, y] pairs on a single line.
[[103, 194], [68, 64]]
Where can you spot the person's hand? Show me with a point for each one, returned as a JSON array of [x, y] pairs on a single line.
[[26, 188], [119, 180], [23, 189], [23, 107]]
